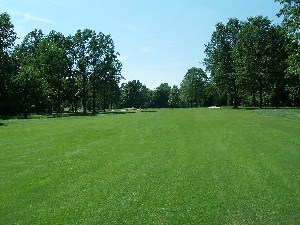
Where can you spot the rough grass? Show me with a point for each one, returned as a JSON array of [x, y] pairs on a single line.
[[196, 166]]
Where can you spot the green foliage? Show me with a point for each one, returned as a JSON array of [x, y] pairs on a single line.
[[192, 87], [249, 58], [48, 72], [174, 97], [291, 20], [220, 56], [253, 55], [7, 39], [95, 59], [31, 87], [134, 94], [291, 17], [185, 166], [161, 95]]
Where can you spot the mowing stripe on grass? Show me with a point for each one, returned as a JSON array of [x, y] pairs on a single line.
[[185, 166]]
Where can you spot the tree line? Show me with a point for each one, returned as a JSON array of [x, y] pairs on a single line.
[[247, 63], [256, 63], [46, 73]]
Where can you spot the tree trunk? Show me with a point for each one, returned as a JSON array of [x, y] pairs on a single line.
[[253, 99], [84, 97], [235, 95], [260, 94], [94, 94], [59, 102], [104, 98]]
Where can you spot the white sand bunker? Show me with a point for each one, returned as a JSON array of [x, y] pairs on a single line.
[[214, 107]]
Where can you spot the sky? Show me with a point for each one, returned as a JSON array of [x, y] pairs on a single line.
[[158, 40]]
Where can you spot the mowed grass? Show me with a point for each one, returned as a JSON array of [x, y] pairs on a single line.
[[185, 166]]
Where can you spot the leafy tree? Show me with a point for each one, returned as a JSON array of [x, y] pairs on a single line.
[[53, 63], [31, 89], [73, 80], [293, 74], [174, 97], [219, 59], [29, 45], [82, 66], [27, 75], [254, 55], [291, 22], [106, 69], [212, 95], [161, 96], [134, 94], [277, 65], [192, 87], [7, 39], [291, 16], [43, 61]]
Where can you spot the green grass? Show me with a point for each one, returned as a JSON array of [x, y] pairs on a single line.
[[189, 166]]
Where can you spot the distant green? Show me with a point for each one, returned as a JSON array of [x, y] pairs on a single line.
[[183, 166]]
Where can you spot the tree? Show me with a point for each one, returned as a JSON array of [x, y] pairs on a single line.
[[254, 56], [7, 39], [53, 63], [82, 66], [29, 85], [219, 59], [291, 22], [31, 89], [291, 17], [161, 96], [28, 46], [192, 87], [277, 65], [134, 94], [293, 74], [42, 71], [73, 80], [106, 69], [174, 97]]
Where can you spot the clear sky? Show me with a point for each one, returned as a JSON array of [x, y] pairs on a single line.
[[158, 40]]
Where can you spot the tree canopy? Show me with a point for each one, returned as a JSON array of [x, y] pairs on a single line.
[[247, 63]]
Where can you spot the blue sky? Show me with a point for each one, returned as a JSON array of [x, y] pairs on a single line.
[[158, 40]]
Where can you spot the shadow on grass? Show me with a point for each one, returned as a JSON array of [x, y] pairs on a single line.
[[62, 115], [269, 108], [149, 111], [81, 114], [115, 112], [3, 124], [249, 108]]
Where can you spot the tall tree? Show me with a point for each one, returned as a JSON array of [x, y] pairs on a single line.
[[30, 87], [277, 65], [291, 22], [192, 87], [106, 69], [174, 97], [7, 40], [291, 16], [134, 94], [53, 63], [219, 59], [253, 55], [161, 96], [28, 45], [82, 65], [73, 81]]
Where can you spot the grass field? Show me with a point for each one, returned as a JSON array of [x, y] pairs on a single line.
[[186, 166]]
